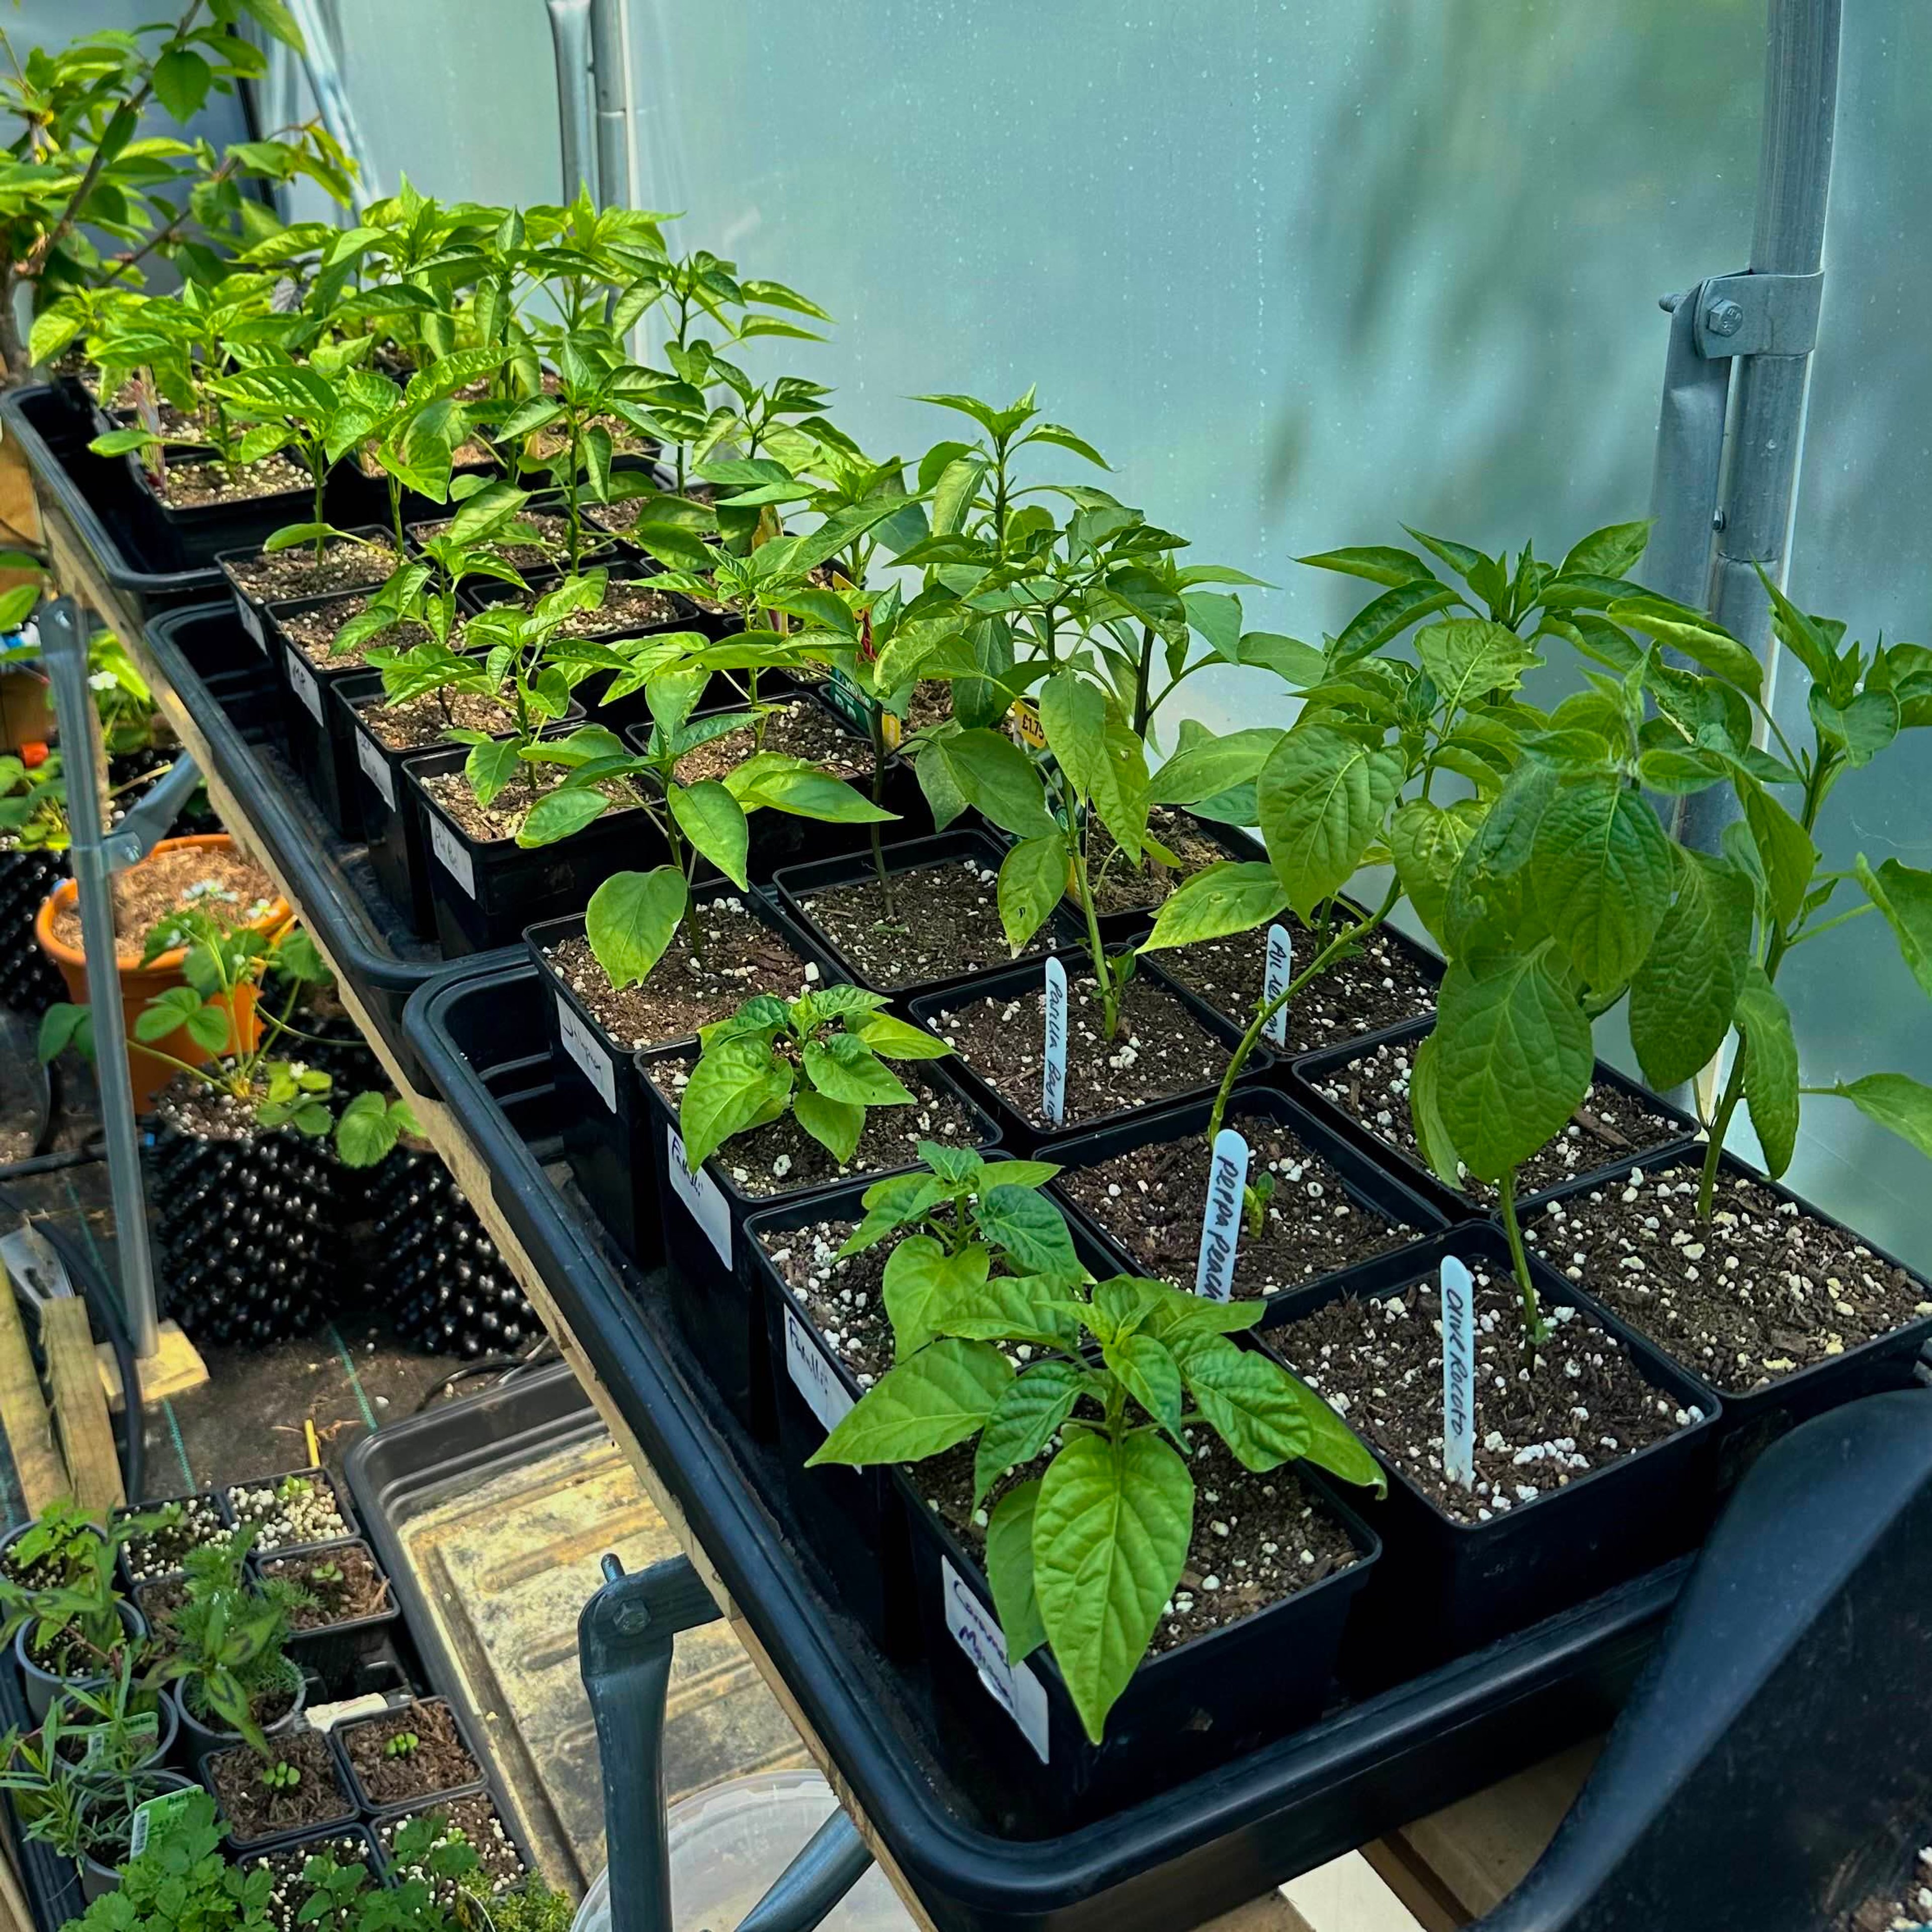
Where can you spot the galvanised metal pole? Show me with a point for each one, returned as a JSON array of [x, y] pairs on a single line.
[[610, 75], [1767, 420], [570, 42]]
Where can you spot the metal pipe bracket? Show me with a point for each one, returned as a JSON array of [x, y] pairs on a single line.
[[1758, 315]]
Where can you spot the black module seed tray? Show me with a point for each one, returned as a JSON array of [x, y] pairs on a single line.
[[1170, 1860], [230, 689]]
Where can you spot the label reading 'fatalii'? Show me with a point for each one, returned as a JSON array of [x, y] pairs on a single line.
[[1221, 1221], [1280, 971], [1053, 1072], [1459, 1374]]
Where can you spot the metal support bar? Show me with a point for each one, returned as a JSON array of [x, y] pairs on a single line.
[[64, 651], [1690, 455], [611, 81], [570, 42], [147, 824], [624, 1642]]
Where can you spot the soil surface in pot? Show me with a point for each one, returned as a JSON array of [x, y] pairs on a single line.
[[1766, 1291], [1150, 1201], [1159, 1050], [189, 486], [1257, 1540], [845, 1298], [626, 606], [1906, 1908], [313, 633], [160, 1552], [419, 725], [742, 956], [160, 1602], [288, 1892], [1583, 1406], [796, 727], [438, 1761], [781, 1158], [346, 563], [254, 1810], [67, 1654], [504, 815], [1611, 1125], [476, 1819], [209, 878], [342, 1586], [1119, 887], [938, 922], [290, 1510], [1364, 992], [208, 1115]]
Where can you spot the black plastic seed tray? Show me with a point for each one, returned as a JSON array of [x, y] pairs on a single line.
[[230, 689], [1177, 1858], [95, 499]]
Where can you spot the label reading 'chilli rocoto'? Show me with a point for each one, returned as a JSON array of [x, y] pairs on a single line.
[[1053, 1072], [1459, 1374], [1221, 1220]]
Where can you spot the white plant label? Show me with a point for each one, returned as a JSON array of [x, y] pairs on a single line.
[[1053, 1071], [583, 1047], [447, 846], [700, 1193], [1012, 1686], [376, 767], [251, 620], [1221, 1220], [1280, 971], [301, 682], [1459, 1373], [813, 1376]]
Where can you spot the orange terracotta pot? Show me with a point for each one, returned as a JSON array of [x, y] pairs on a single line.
[[140, 984]]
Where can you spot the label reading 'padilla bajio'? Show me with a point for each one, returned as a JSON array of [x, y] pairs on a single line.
[[1280, 969], [1459, 1373], [1053, 1070], [1221, 1219]]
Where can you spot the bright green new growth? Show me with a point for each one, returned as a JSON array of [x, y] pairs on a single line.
[[404, 1744], [819, 1058], [1083, 1556], [281, 1776]]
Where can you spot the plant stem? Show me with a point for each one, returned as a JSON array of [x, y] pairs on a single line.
[[1535, 1330], [878, 721], [1103, 975], [1266, 1010], [1143, 671]]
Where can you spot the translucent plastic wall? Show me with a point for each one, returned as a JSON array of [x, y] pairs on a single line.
[[1301, 270]]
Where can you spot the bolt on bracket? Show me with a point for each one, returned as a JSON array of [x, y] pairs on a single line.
[[1758, 315]]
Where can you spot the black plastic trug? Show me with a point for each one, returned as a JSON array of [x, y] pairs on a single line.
[[1205, 1847]]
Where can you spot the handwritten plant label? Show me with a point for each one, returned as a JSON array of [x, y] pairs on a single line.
[[701, 1195], [251, 620], [583, 1047], [1012, 1686], [1280, 971], [301, 682], [1053, 1072], [1221, 1223], [1459, 1373], [449, 848], [375, 766], [813, 1377]]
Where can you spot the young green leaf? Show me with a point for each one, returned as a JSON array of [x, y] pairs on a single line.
[[630, 920], [731, 1087], [1785, 850], [1226, 898], [1026, 1419], [1028, 1226], [1903, 894], [714, 821], [1110, 1532], [1322, 797], [1896, 1101], [842, 1069], [1033, 878], [1010, 1570], [896, 1040], [1427, 842], [1467, 657], [1603, 867], [836, 1125], [921, 1407], [1683, 996], [920, 1272], [1771, 1069]]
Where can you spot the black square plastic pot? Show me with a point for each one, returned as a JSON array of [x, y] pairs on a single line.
[[251, 610], [1752, 1421], [483, 893], [269, 1841], [123, 1569], [600, 1094], [335, 1490], [715, 1293], [340, 1654], [1370, 1189], [196, 534], [793, 885], [780, 838], [1018, 1131], [424, 1800], [318, 733], [1447, 1587], [1299, 1076], [852, 1516], [1183, 1714]]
